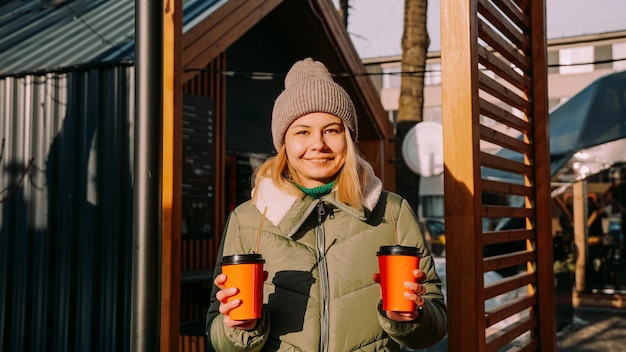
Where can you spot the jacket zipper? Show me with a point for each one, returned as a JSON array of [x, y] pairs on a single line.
[[323, 277]]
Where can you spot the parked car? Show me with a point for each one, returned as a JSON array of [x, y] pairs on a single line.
[[434, 230]]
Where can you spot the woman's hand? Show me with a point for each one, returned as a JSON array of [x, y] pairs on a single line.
[[415, 292], [225, 307]]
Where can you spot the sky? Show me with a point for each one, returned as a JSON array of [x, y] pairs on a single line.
[[375, 26]]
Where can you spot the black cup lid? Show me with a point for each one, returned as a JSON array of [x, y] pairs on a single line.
[[243, 259], [398, 250]]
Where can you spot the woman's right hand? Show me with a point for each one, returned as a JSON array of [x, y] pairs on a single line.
[[225, 307]]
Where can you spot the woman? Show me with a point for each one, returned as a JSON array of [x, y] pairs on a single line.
[[327, 215]]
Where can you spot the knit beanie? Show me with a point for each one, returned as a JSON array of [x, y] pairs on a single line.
[[309, 88]]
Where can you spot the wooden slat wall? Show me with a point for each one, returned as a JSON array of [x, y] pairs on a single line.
[[199, 255], [189, 343], [494, 82], [380, 153]]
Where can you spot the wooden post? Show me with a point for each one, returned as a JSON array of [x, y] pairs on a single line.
[[171, 169], [464, 246], [579, 191], [543, 202]]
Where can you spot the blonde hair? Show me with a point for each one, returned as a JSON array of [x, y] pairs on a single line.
[[350, 181]]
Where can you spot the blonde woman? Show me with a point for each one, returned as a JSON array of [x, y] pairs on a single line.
[[326, 217]]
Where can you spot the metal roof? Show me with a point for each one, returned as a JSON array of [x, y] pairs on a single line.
[[36, 35]]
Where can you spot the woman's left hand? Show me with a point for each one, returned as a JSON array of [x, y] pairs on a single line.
[[415, 292]]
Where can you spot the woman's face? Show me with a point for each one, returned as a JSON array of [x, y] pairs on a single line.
[[316, 148]]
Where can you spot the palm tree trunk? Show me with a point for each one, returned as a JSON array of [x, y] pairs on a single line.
[[343, 11], [415, 42]]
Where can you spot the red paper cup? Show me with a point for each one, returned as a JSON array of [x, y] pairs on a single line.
[[245, 272], [396, 265]]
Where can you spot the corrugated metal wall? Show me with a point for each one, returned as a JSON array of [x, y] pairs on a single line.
[[66, 210]]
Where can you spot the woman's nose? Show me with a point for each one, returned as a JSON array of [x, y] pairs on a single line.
[[318, 141]]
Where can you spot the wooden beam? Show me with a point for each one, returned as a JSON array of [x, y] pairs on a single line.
[[464, 247], [545, 312], [171, 161], [579, 191]]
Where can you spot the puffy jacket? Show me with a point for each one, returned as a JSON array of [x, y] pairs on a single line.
[[320, 255]]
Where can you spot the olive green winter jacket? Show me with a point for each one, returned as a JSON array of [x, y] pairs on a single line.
[[320, 255]]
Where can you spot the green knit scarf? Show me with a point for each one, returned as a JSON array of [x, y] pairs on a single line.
[[318, 191]]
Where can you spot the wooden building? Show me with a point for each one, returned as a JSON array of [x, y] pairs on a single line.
[[67, 92], [228, 58]]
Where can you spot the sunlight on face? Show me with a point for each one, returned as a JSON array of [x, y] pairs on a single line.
[[316, 148]]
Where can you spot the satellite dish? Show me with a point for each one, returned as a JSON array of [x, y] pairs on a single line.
[[422, 148]]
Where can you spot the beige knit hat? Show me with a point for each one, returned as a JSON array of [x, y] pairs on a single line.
[[309, 88]]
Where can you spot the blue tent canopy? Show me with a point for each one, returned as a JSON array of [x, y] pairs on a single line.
[[587, 133]]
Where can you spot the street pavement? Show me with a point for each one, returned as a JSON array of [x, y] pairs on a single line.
[[594, 330], [591, 330]]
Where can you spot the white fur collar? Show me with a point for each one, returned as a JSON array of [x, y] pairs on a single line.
[[279, 202]]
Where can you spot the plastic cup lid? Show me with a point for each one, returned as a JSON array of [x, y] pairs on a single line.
[[243, 259], [398, 250]]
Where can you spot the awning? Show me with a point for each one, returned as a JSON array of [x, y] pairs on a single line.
[[587, 133]]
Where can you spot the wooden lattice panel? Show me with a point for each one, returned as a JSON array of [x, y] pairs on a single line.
[[497, 184]]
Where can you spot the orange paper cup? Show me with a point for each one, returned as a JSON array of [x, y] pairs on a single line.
[[245, 272], [396, 265]]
